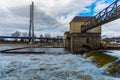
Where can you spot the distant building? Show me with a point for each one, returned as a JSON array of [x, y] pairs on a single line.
[[77, 41], [113, 39]]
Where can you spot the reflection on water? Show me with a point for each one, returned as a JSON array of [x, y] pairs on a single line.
[[49, 67]]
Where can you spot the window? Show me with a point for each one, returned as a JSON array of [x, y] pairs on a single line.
[[87, 40]]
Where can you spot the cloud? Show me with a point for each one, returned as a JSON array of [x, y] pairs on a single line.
[[100, 5], [110, 29], [63, 11], [44, 21], [50, 15]]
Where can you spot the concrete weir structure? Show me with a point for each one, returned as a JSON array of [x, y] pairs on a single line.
[[76, 41]]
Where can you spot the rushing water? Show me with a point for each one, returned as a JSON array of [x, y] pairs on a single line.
[[56, 65]]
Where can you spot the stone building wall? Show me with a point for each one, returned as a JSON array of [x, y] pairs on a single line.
[[76, 41], [67, 44], [85, 41]]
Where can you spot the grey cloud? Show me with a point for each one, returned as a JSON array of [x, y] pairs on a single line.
[[45, 21], [18, 15], [21, 11], [46, 18]]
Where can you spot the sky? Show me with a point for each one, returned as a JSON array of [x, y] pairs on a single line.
[[51, 16]]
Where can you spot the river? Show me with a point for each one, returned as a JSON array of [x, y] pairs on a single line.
[[57, 64]]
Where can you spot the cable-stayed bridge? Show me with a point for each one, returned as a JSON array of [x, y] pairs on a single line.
[[30, 22]]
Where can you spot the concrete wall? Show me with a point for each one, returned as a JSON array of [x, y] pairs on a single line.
[[75, 27], [65, 36], [67, 44], [83, 41]]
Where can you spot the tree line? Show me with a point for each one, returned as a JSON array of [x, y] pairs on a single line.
[[17, 34]]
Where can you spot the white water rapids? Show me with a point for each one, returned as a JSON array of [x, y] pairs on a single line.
[[49, 67]]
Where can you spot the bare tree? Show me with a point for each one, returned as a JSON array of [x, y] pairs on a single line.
[[16, 35], [24, 34], [41, 36], [47, 36], [58, 37]]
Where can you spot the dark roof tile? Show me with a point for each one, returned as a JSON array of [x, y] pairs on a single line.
[[81, 18], [67, 32]]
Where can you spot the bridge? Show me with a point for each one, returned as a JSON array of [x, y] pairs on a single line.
[[31, 32], [12, 37], [112, 12], [81, 35], [85, 32]]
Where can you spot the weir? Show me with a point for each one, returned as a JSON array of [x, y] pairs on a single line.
[[80, 38], [110, 64]]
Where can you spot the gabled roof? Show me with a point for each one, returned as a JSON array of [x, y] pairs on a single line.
[[67, 32], [81, 18]]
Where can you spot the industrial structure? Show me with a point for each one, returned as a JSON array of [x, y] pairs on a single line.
[[76, 41], [85, 31]]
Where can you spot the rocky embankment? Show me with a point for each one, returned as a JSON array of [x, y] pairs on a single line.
[[110, 64]]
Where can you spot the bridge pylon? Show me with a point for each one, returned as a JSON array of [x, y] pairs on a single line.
[[31, 25]]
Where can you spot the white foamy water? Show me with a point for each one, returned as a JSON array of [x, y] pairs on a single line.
[[49, 67], [115, 53]]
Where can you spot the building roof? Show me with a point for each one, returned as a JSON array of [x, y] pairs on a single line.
[[81, 18], [67, 32]]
